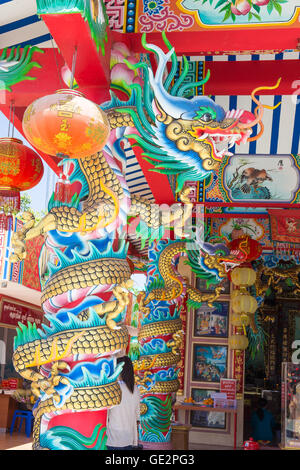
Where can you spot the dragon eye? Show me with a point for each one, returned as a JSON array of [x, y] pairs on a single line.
[[205, 114], [206, 117]]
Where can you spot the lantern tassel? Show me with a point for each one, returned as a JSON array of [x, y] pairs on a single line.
[[63, 190], [59, 190], [67, 192]]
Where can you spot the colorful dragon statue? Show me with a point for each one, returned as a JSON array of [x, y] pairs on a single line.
[[160, 340], [71, 359], [15, 65], [273, 275], [161, 331], [181, 136]]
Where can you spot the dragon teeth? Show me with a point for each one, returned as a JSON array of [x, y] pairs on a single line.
[[202, 137]]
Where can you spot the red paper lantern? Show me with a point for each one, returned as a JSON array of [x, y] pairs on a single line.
[[245, 249], [20, 169], [66, 124]]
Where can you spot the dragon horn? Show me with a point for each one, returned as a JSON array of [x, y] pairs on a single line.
[[260, 106]]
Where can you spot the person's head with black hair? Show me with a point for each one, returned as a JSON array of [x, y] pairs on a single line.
[[262, 403], [127, 374]]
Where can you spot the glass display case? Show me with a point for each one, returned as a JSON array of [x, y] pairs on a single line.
[[290, 406]]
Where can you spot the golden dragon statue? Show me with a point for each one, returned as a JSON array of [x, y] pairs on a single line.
[[71, 359], [285, 271]]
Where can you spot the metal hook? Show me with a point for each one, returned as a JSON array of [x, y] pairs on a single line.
[[73, 68]]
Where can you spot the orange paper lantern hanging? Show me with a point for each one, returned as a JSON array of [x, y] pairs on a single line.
[[66, 124], [20, 169]]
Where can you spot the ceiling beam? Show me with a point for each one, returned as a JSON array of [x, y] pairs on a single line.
[[74, 40], [220, 41]]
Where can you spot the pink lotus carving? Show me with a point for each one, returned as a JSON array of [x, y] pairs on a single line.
[[119, 70]]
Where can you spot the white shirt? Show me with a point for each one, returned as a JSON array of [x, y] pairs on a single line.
[[122, 419]]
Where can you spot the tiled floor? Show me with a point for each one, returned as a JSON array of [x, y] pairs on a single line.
[[19, 441], [16, 441]]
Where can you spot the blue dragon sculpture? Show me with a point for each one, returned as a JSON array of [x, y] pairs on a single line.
[[71, 361]]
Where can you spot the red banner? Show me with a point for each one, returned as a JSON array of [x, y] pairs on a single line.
[[31, 277], [12, 314], [285, 225], [238, 372], [183, 313]]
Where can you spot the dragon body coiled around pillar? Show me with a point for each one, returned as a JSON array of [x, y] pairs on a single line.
[[84, 299], [71, 360]]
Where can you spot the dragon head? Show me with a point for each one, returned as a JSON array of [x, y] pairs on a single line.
[[205, 132], [198, 127], [181, 136]]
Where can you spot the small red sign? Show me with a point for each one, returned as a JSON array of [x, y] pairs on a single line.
[[9, 384], [12, 314], [13, 384], [228, 386]]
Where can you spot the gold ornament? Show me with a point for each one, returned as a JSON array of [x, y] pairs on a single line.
[[244, 303], [243, 276], [238, 342], [240, 320], [234, 293]]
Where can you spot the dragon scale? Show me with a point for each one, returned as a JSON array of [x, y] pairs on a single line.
[[71, 359]]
